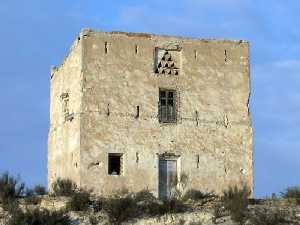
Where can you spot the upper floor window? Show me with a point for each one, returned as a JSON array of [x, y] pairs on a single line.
[[167, 106]]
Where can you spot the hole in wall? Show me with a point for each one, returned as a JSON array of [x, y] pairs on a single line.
[[137, 112], [108, 111]]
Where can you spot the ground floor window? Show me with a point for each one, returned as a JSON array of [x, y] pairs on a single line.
[[115, 164]]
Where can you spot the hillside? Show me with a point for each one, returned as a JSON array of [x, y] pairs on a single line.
[[196, 212]]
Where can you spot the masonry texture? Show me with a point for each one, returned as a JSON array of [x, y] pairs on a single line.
[[111, 127]]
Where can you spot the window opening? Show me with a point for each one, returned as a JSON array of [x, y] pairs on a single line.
[[115, 164], [167, 106]]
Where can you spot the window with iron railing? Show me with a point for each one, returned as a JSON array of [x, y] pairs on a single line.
[[167, 106]]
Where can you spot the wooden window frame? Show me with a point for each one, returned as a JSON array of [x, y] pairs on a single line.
[[167, 107]]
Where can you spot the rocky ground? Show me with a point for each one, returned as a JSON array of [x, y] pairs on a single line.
[[266, 212]]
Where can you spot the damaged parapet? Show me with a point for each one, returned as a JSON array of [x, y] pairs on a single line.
[[141, 111]]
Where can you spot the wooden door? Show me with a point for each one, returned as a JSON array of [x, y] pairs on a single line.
[[167, 177]]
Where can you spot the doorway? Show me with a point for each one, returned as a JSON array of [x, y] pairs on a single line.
[[167, 178]]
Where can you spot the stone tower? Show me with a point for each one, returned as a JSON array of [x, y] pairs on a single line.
[[140, 111]]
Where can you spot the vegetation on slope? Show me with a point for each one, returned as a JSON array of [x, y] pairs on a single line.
[[125, 206]]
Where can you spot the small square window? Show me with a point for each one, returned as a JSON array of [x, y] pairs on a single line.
[[115, 164]]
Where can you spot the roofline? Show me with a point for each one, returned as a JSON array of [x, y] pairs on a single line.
[[86, 31]]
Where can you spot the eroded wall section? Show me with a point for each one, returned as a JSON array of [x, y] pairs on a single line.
[[65, 108]]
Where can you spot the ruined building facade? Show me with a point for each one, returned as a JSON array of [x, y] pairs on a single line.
[[139, 111]]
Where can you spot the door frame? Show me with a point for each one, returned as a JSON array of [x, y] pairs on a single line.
[[168, 157]]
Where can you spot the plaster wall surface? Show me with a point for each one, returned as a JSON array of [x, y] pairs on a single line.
[[110, 74]]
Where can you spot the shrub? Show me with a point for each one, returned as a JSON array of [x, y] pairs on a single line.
[[164, 207], [10, 189], [38, 217], [195, 223], [236, 202], [79, 201], [292, 193], [181, 222], [94, 220], [148, 204], [40, 190], [144, 195], [173, 206], [218, 211], [63, 187], [33, 200], [264, 217], [31, 197], [98, 204], [12, 207], [121, 209], [196, 195]]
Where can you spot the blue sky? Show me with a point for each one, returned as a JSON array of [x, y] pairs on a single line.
[[37, 34]]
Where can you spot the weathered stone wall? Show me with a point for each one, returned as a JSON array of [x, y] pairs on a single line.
[[64, 131], [118, 76]]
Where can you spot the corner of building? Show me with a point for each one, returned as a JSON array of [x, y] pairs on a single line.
[[65, 108]]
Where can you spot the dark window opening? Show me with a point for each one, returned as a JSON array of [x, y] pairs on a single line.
[[114, 164], [167, 106]]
